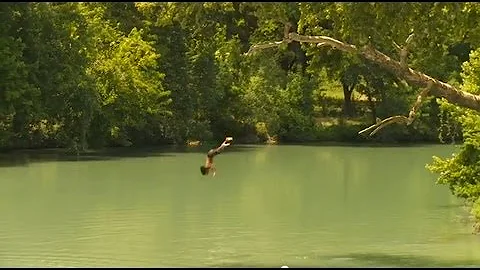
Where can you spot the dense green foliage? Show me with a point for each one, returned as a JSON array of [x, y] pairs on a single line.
[[461, 172], [87, 75]]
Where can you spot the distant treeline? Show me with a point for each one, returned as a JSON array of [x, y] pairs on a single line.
[[87, 75]]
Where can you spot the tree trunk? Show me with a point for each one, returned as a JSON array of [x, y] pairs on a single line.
[[348, 109], [373, 108]]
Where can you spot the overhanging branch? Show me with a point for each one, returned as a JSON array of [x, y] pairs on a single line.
[[400, 119], [264, 46], [435, 87]]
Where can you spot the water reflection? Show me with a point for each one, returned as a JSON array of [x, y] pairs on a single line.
[[268, 206]]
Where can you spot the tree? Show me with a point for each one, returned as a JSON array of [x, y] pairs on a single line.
[[431, 86], [16, 92], [128, 82], [461, 171]]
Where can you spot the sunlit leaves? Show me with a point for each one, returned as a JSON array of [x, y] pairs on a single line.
[[127, 80], [471, 74], [461, 172]]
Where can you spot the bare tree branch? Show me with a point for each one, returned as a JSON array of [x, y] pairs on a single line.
[[400, 118], [403, 52], [435, 87], [418, 102], [409, 39], [286, 39], [399, 49], [385, 122], [263, 46], [286, 30]]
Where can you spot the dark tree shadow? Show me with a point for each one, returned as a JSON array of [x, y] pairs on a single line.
[[367, 144], [233, 148], [16, 158], [453, 205], [388, 260], [233, 265]]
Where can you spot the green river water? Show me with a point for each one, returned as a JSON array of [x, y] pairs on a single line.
[[310, 206]]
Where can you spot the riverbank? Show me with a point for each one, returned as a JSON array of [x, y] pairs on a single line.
[[327, 131], [120, 151]]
